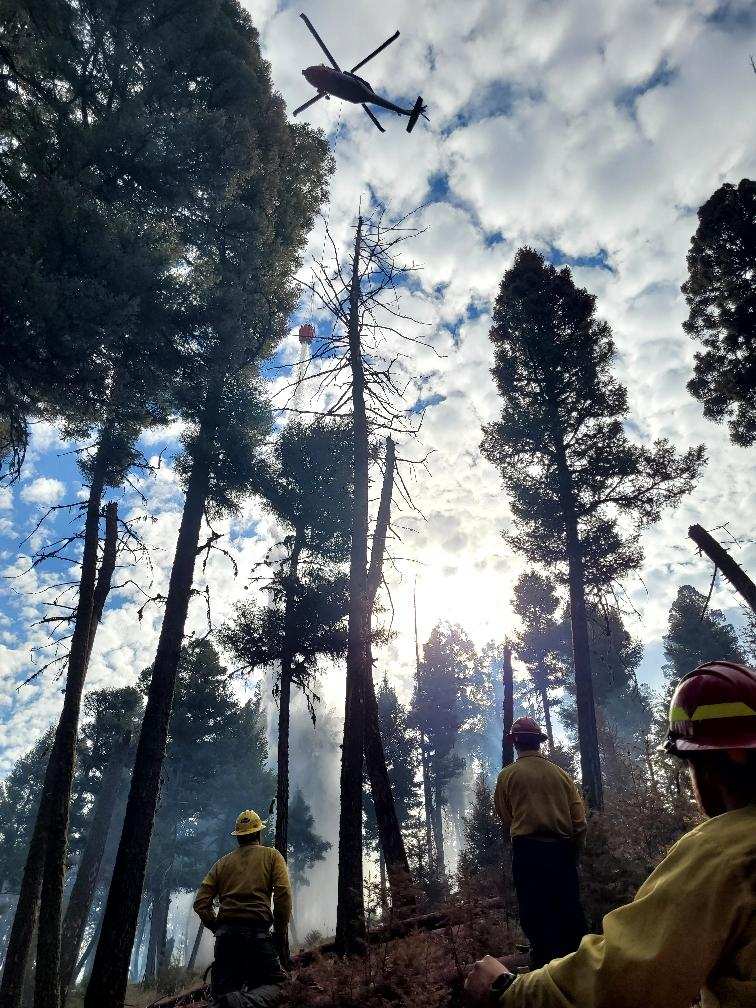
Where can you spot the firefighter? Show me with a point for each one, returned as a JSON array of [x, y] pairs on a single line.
[[247, 958], [690, 933], [544, 812]]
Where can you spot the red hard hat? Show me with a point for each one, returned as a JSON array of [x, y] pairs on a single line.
[[526, 726], [306, 333], [713, 707]]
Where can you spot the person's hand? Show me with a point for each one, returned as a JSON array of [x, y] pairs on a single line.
[[483, 974]]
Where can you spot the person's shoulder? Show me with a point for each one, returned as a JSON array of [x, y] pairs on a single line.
[[505, 773], [731, 835], [221, 863], [557, 770], [271, 853]]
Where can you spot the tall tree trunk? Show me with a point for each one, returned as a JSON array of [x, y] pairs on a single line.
[[284, 698], [195, 946], [83, 890], [47, 989], [350, 910], [150, 962], [428, 800], [390, 837], [107, 985], [590, 762], [546, 704], [44, 869], [424, 759], [507, 747], [163, 950], [724, 562], [438, 830], [144, 910], [382, 878]]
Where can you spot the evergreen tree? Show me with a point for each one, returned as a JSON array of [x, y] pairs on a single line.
[[484, 836], [89, 292], [307, 487], [105, 752], [581, 492], [306, 846], [19, 798], [543, 643], [264, 180], [624, 707], [440, 709], [401, 751], [696, 634], [722, 302]]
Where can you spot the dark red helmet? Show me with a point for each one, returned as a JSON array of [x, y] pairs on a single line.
[[713, 707], [526, 726]]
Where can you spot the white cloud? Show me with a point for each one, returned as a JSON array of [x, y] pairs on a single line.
[[44, 491]]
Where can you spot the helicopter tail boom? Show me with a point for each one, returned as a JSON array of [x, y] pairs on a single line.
[[417, 111]]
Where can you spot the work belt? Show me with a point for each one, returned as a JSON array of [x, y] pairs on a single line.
[[251, 929], [546, 836]]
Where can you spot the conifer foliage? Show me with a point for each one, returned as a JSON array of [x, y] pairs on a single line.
[[722, 302], [261, 183], [580, 490]]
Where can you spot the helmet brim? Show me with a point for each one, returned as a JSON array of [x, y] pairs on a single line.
[[679, 746], [249, 832]]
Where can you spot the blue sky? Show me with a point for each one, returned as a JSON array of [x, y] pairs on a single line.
[[589, 130]]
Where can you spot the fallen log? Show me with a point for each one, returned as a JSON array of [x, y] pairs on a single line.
[[401, 928], [722, 560]]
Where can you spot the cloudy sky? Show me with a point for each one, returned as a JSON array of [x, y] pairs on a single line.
[[590, 130]]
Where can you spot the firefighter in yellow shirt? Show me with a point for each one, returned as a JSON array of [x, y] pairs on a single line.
[[540, 805], [690, 933], [247, 968]]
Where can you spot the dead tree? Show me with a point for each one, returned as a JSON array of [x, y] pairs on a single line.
[[360, 379], [722, 561], [393, 850]]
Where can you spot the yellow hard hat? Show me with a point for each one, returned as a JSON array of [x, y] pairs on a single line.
[[248, 822]]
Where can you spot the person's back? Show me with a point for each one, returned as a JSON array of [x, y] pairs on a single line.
[[535, 797], [543, 810], [244, 882]]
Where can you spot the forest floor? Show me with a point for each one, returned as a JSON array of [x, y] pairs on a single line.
[[423, 969]]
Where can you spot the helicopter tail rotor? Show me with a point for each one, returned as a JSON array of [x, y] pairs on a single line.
[[417, 111]]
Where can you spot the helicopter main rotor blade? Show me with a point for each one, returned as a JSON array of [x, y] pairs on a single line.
[[375, 52], [375, 121], [320, 42], [307, 104]]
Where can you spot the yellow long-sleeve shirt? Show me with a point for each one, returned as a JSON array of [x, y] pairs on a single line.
[[244, 882], [690, 929], [534, 795]]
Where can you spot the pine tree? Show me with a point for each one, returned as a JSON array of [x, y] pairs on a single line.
[[104, 757], [306, 846], [484, 836], [624, 707], [722, 302], [307, 486], [440, 708], [580, 491], [263, 182], [89, 292], [696, 634], [543, 643]]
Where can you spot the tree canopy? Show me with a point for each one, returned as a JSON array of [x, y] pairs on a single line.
[[721, 298]]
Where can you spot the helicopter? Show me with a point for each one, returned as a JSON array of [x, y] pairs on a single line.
[[332, 81]]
